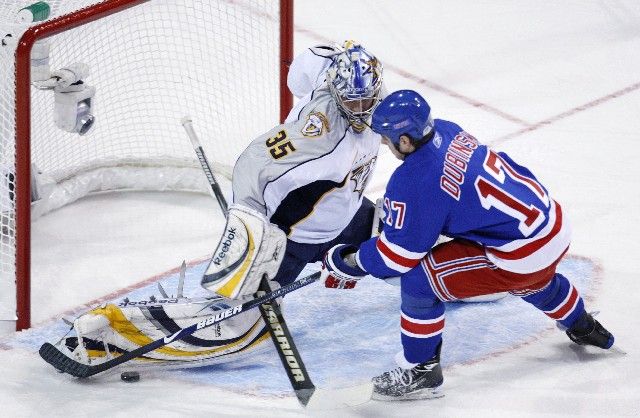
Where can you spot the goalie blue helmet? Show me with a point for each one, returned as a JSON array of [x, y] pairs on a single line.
[[403, 112], [355, 82]]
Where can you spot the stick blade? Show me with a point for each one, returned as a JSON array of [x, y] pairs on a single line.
[[60, 361], [324, 399]]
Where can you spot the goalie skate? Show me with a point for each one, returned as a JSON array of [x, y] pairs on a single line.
[[110, 330]]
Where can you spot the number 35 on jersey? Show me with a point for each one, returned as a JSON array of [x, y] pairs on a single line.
[[279, 146]]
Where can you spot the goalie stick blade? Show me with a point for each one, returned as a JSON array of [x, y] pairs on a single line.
[[324, 399], [60, 361]]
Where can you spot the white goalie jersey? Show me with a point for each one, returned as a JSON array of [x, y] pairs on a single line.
[[308, 175]]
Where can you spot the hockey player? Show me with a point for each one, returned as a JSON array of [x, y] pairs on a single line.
[[508, 235], [298, 189]]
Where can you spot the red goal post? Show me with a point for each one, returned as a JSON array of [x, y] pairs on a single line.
[[258, 21]]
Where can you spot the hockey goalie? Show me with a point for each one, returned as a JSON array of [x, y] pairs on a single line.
[[250, 250], [314, 204]]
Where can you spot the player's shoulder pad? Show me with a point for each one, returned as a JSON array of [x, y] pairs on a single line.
[[308, 69], [320, 118], [420, 173], [317, 132], [446, 126]]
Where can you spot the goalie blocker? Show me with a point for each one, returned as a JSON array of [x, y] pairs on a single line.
[[249, 249]]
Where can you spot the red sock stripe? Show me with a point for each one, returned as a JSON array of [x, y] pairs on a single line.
[[423, 329], [564, 309]]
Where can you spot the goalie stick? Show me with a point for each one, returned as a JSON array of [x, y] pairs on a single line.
[[66, 364], [307, 393], [186, 123]]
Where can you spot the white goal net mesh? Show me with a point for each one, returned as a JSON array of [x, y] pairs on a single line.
[[217, 61]]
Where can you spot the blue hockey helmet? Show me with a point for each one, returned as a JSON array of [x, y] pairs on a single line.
[[355, 82], [403, 112]]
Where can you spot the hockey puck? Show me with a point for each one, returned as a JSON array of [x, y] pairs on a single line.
[[130, 377]]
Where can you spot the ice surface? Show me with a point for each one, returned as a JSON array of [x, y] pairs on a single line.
[[350, 336], [553, 84]]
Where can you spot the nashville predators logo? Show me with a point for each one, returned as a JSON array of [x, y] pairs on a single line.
[[361, 175], [316, 124], [374, 66]]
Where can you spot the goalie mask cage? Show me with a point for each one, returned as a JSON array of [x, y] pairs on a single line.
[[223, 62]]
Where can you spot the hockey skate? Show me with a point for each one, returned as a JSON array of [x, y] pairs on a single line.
[[424, 381], [588, 331]]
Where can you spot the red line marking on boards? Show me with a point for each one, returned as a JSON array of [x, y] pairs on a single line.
[[374, 190], [528, 127], [448, 92], [567, 113], [430, 84]]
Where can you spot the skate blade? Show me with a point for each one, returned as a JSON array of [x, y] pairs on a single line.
[[616, 349], [429, 393]]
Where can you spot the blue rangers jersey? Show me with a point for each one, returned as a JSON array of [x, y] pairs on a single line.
[[459, 188]]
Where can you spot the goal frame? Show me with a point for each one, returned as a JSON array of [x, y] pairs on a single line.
[[23, 122]]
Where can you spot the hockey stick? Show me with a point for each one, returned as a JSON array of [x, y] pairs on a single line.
[[307, 393], [66, 364], [187, 124], [287, 350]]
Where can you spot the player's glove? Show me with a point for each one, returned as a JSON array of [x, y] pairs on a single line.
[[339, 268]]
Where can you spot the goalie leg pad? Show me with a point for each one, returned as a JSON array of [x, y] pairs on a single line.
[[250, 248], [126, 327]]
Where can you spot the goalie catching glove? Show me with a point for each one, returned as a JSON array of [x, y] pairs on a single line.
[[340, 269], [250, 248]]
